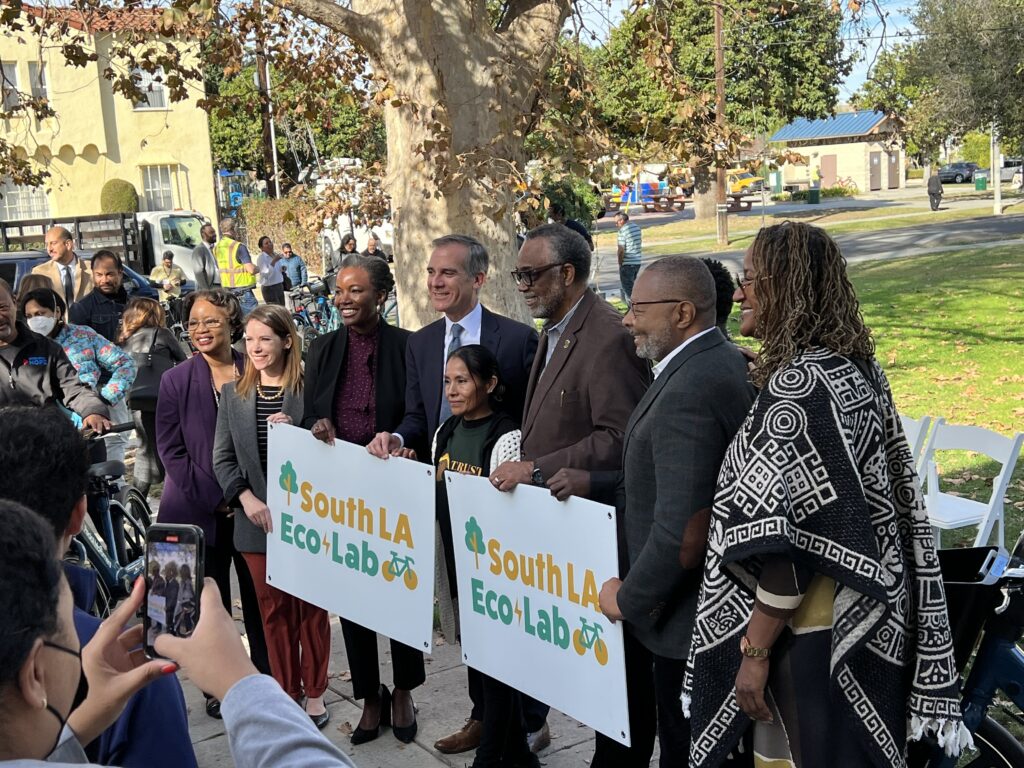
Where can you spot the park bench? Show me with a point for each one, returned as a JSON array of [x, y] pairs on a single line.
[[740, 202]]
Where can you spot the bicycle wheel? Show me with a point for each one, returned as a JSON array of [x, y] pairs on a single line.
[[129, 532], [994, 747], [136, 504]]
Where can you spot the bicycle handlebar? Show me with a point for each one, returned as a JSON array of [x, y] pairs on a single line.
[[89, 434]]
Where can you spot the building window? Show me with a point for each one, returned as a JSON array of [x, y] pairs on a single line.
[[157, 187], [151, 84], [10, 85], [20, 202], [37, 80]]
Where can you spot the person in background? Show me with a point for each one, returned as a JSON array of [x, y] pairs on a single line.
[[31, 282], [837, 637], [725, 287], [101, 364], [143, 334], [629, 250], [271, 278], [473, 440], [270, 392], [294, 266], [237, 271], [46, 469], [69, 276], [557, 215], [170, 277], [184, 614], [935, 190], [373, 248], [204, 264], [38, 372], [57, 695], [355, 386], [186, 422]]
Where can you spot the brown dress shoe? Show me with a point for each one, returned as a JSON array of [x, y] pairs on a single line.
[[465, 739]]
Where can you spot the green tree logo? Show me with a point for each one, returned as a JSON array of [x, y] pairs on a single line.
[[474, 539], [289, 480]]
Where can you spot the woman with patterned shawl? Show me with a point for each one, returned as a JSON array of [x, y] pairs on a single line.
[[822, 615]]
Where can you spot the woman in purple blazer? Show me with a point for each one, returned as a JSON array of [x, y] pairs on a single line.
[[186, 422]]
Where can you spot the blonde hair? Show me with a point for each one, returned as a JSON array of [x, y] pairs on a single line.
[[805, 298], [279, 320], [141, 313]]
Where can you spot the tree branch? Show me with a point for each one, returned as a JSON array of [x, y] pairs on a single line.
[[529, 31], [358, 27]]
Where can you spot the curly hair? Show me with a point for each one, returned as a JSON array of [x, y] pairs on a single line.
[[725, 287], [805, 298], [219, 298]]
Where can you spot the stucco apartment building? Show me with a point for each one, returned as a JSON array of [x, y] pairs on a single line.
[[161, 148], [859, 146]]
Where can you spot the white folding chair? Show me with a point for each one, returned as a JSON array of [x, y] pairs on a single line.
[[946, 511], [916, 431]]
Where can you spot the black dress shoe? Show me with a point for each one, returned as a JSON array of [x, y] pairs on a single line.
[[322, 719], [213, 708], [405, 733], [363, 735]]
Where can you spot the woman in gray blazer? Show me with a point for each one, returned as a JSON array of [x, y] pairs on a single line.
[[270, 392]]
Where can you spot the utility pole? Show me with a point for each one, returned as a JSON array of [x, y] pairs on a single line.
[[721, 209], [267, 119], [995, 172]]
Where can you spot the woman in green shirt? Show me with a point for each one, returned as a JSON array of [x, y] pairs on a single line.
[[474, 440]]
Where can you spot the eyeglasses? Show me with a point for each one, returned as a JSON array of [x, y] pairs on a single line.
[[744, 282], [213, 324], [635, 304], [529, 276]]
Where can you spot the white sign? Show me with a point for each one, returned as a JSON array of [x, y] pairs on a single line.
[[529, 570], [352, 533]]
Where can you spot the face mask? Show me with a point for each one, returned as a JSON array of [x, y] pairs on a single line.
[[42, 325], [80, 693]]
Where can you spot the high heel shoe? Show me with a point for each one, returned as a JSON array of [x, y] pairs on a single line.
[[405, 733], [363, 735]]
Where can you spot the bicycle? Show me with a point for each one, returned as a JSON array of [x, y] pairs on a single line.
[[588, 636], [400, 567], [985, 595], [112, 541], [313, 313]]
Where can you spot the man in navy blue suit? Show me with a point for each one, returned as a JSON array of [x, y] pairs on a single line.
[[456, 272]]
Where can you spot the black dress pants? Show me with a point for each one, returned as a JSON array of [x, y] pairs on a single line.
[[503, 739], [609, 753], [219, 557], [361, 648]]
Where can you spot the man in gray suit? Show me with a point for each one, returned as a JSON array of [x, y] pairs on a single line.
[[204, 266], [675, 441]]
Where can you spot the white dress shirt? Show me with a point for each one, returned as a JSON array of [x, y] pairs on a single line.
[[663, 363], [470, 331]]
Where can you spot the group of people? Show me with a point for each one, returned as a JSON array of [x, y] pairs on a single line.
[[173, 584], [778, 584]]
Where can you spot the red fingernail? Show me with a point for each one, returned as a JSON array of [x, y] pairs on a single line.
[[169, 669]]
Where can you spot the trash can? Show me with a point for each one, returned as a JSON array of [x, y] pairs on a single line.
[[813, 196], [980, 183]]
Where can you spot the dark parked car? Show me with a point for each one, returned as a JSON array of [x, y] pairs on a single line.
[[958, 172]]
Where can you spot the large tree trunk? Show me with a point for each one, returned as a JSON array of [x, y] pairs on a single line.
[[460, 97], [704, 187]]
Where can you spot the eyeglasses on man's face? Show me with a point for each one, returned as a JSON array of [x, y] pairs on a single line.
[[528, 277], [633, 306]]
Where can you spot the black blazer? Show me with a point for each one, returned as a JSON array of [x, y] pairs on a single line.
[[324, 363], [674, 445], [512, 342]]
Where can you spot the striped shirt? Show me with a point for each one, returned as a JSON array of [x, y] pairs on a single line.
[[269, 400], [632, 243]]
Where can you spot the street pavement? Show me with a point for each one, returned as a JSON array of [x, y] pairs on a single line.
[[442, 702]]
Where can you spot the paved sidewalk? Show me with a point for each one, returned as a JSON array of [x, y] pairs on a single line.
[[443, 706]]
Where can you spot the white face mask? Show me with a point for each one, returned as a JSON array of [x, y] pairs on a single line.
[[42, 325]]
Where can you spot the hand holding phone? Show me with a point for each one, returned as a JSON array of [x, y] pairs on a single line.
[[174, 581]]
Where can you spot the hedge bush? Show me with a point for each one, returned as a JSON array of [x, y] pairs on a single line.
[[782, 197], [281, 221], [837, 191], [915, 173], [119, 196]]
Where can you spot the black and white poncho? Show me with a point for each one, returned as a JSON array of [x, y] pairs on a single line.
[[821, 473]]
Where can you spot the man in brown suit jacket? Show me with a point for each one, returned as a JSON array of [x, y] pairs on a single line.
[[585, 382], [68, 274]]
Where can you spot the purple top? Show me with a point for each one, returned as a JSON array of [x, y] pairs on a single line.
[[355, 402], [186, 421]]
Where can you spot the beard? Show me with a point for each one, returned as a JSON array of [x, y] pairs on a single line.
[[655, 346], [546, 307]]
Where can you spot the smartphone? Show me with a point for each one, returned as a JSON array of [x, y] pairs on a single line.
[[174, 581]]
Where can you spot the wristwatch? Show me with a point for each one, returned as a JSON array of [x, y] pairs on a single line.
[[753, 652], [537, 478]]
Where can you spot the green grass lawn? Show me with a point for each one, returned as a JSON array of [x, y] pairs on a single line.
[[949, 331]]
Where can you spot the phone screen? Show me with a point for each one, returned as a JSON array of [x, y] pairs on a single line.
[[174, 577]]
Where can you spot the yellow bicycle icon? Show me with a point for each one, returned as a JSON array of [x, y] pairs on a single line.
[[589, 636], [400, 566]]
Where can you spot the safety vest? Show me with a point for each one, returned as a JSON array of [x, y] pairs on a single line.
[[232, 274]]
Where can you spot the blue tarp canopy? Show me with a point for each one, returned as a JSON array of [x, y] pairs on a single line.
[[853, 124]]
